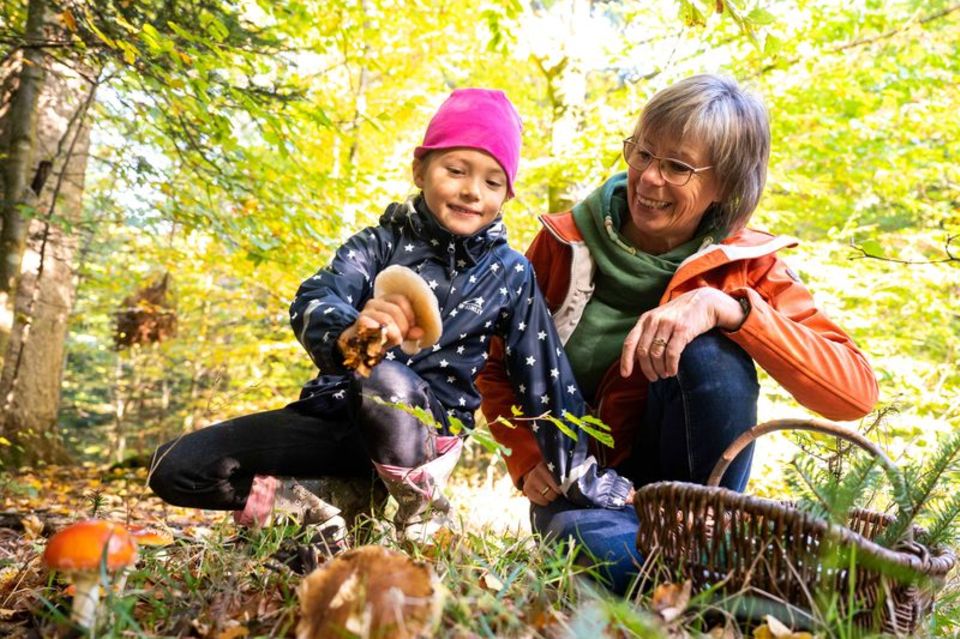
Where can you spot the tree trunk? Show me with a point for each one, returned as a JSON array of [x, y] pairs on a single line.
[[34, 354], [18, 136]]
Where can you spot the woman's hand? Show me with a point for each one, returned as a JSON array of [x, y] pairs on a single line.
[[661, 334], [539, 485], [393, 312]]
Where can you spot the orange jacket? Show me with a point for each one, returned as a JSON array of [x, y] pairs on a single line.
[[785, 333]]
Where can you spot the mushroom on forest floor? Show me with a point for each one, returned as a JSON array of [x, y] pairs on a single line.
[[371, 592], [79, 551], [150, 536]]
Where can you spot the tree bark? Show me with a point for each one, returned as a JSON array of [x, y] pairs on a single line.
[[19, 141], [45, 282]]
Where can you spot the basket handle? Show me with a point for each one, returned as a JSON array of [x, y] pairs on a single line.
[[817, 425]]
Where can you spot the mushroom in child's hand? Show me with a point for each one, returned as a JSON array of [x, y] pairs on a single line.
[[364, 349], [400, 280], [78, 552], [370, 592]]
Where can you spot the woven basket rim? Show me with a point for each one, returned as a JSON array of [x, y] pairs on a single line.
[[938, 563]]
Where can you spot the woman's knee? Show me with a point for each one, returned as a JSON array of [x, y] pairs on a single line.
[[699, 412], [714, 361]]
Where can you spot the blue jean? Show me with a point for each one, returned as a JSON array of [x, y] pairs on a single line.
[[689, 420]]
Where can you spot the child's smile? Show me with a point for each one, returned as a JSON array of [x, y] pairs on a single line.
[[463, 188]]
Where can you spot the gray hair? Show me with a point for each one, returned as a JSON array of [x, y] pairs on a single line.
[[734, 126]]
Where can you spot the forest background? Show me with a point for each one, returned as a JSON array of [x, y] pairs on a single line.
[[193, 161]]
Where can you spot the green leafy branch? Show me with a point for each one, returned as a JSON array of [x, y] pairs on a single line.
[[874, 250], [827, 496], [456, 426], [588, 424]]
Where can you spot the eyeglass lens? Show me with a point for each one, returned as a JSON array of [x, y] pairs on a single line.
[[673, 171]]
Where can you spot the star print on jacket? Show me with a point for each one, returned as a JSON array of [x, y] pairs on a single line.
[[484, 288]]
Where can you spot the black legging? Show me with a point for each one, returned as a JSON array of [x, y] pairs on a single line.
[[214, 467]]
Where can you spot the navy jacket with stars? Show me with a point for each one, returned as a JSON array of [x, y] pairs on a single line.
[[484, 288]]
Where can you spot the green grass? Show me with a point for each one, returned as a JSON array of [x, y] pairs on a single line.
[[216, 581], [498, 586]]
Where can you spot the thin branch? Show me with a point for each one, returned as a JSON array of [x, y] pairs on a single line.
[[889, 34], [670, 61], [864, 254], [864, 41], [17, 43], [77, 66], [78, 118]]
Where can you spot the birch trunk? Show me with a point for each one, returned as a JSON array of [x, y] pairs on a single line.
[[18, 135], [33, 356]]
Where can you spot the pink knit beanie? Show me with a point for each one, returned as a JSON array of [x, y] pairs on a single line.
[[478, 119]]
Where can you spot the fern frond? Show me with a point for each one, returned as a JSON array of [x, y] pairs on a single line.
[[856, 488], [805, 479], [928, 474], [944, 529], [826, 496], [945, 459]]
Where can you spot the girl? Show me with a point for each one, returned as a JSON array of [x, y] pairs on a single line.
[[453, 236]]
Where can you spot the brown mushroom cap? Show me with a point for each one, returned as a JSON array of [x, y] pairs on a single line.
[[400, 280], [370, 591], [81, 547]]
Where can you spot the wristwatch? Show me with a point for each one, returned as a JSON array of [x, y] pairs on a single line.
[[745, 305]]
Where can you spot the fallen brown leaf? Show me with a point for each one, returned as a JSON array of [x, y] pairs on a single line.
[[234, 632], [776, 629], [670, 600], [490, 582], [728, 630], [32, 527]]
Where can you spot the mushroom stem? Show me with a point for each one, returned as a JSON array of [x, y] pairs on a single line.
[[87, 597], [85, 551]]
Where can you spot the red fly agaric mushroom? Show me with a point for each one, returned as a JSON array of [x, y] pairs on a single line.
[[400, 280], [79, 550], [370, 592]]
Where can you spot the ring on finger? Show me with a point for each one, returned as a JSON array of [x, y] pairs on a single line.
[[659, 341]]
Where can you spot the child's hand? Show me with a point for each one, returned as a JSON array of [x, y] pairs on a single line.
[[393, 312]]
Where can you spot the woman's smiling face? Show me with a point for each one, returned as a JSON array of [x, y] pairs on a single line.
[[662, 215]]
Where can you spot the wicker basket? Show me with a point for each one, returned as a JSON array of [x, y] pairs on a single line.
[[736, 543]]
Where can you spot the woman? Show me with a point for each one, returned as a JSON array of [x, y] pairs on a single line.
[[665, 301]]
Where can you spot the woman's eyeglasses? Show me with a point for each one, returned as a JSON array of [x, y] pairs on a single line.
[[672, 171]]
